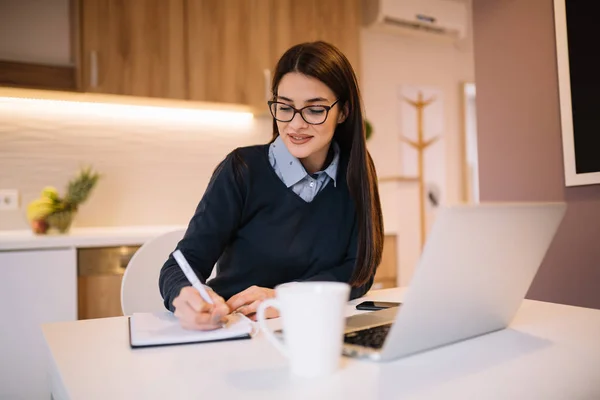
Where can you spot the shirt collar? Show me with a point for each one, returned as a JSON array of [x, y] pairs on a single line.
[[292, 170]]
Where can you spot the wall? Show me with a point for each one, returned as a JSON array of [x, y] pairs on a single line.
[[155, 165], [390, 60], [36, 31], [519, 136]]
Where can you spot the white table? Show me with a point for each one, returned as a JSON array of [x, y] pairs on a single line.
[[551, 351]]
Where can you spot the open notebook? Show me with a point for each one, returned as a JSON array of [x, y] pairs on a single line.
[[162, 328]]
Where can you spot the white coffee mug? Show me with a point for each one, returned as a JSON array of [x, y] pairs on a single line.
[[313, 317]]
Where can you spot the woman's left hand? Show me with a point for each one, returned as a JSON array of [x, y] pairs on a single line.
[[247, 301]]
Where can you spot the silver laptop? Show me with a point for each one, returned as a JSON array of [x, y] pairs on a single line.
[[473, 274]]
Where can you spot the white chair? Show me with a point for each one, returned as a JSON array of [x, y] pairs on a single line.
[[139, 288]]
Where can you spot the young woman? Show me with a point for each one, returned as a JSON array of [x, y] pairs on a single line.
[[304, 207]]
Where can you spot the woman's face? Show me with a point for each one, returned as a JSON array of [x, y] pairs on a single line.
[[307, 142]]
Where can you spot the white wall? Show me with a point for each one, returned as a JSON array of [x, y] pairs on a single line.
[[155, 167], [389, 60]]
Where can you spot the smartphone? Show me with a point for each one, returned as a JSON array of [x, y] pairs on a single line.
[[376, 305]]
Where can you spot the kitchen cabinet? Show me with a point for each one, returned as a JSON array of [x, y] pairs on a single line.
[[205, 50], [334, 21], [36, 287], [233, 45], [338, 22], [99, 276], [133, 47], [37, 76], [228, 50], [39, 282], [387, 272]]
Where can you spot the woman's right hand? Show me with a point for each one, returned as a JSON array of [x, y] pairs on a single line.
[[196, 314]]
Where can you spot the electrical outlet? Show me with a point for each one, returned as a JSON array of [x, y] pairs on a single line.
[[9, 199]]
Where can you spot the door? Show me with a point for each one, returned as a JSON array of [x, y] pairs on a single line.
[[338, 22], [36, 287], [99, 275], [387, 272], [233, 45], [334, 21], [133, 47], [228, 50]]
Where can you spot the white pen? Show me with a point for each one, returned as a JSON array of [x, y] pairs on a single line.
[[191, 276]]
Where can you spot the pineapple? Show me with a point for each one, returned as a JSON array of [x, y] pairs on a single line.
[[50, 210], [78, 191], [80, 188]]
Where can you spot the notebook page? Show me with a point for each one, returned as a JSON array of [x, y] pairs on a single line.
[[148, 329]]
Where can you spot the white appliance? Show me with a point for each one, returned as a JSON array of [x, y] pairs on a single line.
[[436, 18]]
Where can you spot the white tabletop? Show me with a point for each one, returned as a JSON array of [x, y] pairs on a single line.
[[550, 351]]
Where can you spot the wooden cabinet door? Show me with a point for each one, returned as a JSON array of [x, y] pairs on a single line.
[[99, 296], [338, 22], [293, 22], [133, 47], [228, 50], [387, 272], [334, 21], [233, 45]]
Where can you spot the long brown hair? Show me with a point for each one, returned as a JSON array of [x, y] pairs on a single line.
[[326, 63]]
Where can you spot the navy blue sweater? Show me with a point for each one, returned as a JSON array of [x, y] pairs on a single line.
[[261, 233]]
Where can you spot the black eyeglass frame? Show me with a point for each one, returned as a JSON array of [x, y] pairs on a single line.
[[299, 111]]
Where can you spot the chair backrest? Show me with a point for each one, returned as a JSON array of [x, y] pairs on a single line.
[[139, 288]]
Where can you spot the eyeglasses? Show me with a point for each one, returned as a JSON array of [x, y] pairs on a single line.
[[314, 115]]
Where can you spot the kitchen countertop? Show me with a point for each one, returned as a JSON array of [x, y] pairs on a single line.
[[25, 239], [83, 237]]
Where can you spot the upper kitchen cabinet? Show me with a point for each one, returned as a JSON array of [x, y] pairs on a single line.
[[233, 45], [207, 50], [293, 22], [133, 47], [338, 22], [228, 49], [334, 21]]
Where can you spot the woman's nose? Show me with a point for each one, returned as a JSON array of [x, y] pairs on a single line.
[[298, 122]]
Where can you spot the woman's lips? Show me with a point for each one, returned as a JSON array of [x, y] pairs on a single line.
[[299, 139]]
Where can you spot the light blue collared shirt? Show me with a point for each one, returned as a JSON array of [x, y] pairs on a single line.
[[292, 173]]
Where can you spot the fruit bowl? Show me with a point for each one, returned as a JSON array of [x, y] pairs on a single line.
[[51, 211]]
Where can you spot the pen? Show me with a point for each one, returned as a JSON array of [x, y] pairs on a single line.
[[191, 276]]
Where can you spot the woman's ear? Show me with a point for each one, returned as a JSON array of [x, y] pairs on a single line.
[[343, 114]]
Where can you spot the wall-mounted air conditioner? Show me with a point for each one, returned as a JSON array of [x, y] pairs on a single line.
[[441, 18]]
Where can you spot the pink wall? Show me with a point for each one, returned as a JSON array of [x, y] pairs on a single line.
[[519, 137]]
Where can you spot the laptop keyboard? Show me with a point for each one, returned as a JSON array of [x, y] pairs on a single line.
[[372, 337]]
